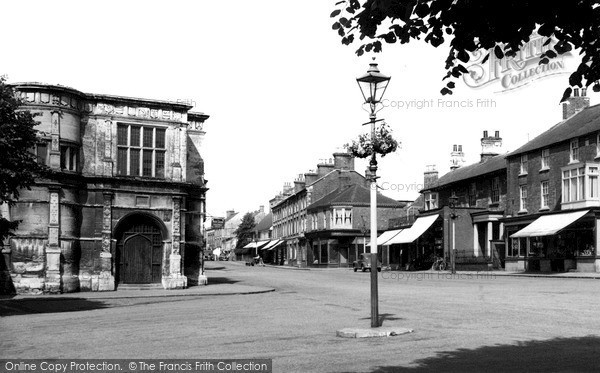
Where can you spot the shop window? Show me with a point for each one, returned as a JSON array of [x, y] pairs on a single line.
[[517, 247], [140, 150], [324, 258]]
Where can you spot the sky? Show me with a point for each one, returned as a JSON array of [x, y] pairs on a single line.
[[279, 86]]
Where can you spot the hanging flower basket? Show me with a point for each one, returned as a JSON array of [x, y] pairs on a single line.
[[383, 143]]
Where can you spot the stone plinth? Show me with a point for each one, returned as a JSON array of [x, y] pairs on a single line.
[[372, 332]]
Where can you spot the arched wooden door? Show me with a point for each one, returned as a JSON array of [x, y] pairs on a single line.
[[140, 254]]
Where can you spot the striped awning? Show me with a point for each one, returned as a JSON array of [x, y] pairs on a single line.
[[386, 236]]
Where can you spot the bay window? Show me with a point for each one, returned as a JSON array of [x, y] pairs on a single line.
[[580, 185]]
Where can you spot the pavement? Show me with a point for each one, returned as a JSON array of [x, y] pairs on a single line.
[[571, 274], [214, 288]]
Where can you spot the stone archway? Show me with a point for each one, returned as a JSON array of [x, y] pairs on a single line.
[[140, 251]]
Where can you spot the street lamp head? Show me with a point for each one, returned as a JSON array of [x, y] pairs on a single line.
[[373, 84]]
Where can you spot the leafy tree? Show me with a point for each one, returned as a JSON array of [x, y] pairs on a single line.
[[18, 166], [245, 231], [471, 25]]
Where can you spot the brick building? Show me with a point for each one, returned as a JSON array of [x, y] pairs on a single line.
[[126, 204], [339, 224], [553, 202], [291, 222], [480, 190]]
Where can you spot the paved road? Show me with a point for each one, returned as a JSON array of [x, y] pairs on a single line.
[[461, 323]]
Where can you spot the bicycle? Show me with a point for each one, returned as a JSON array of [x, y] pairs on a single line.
[[440, 264]]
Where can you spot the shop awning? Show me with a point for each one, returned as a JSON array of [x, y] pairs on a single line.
[[386, 236], [420, 226], [272, 244], [549, 225], [360, 240], [254, 245]]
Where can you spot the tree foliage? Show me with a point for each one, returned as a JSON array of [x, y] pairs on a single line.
[[471, 25], [18, 166], [245, 231]]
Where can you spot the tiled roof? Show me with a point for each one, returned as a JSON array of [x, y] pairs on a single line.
[[265, 223], [353, 195], [493, 164], [584, 122]]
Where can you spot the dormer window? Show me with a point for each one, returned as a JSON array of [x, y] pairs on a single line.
[[431, 201]]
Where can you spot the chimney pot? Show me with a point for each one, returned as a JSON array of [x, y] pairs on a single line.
[[576, 92], [485, 133], [497, 134]]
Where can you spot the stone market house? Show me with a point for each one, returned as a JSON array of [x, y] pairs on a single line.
[[553, 208], [480, 190], [126, 202]]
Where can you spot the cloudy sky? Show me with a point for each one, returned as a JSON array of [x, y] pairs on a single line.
[[277, 83]]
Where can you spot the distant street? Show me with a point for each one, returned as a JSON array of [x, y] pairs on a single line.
[[462, 324]]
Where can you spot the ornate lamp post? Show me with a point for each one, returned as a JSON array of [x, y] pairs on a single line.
[[373, 85], [452, 202]]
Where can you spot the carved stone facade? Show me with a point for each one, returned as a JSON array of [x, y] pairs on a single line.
[[127, 200]]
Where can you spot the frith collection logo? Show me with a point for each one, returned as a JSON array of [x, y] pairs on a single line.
[[514, 72]]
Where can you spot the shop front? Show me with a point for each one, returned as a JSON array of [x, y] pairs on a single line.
[[553, 243], [418, 246]]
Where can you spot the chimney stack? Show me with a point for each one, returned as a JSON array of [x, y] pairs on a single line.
[[310, 177], [343, 161], [490, 145], [575, 103], [229, 213], [287, 188], [457, 157], [299, 183], [430, 176], [324, 167]]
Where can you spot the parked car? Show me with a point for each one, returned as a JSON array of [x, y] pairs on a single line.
[[364, 262]]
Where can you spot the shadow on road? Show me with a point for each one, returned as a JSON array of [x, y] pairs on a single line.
[[554, 355], [45, 305], [383, 317], [221, 280]]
